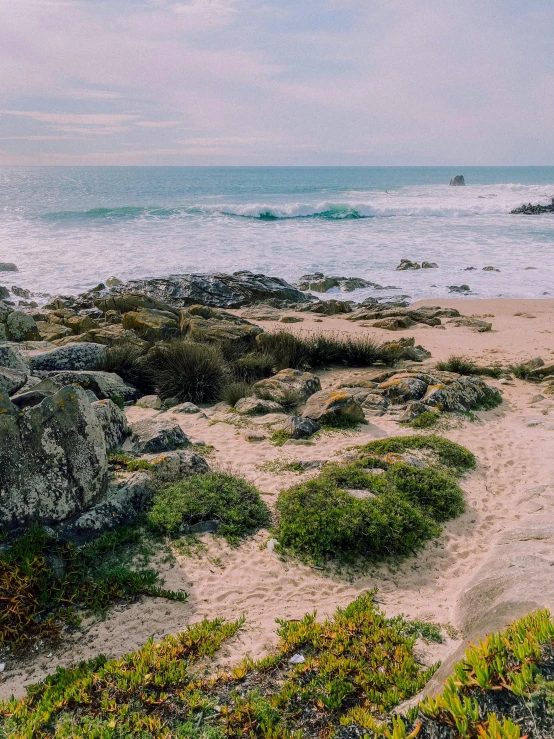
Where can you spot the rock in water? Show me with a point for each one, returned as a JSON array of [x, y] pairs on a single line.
[[219, 291], [53, 461], [8, 267], [458, 180]]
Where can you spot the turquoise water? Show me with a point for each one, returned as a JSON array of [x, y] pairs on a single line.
[[68, 228]]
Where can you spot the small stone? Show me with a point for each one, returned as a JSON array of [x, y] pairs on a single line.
[[2, 666], [150, 401], [186, 408], [297, 659], [253, 436], [271, 544], [290, 319]]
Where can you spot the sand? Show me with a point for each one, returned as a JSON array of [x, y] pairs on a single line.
[[513, 446]]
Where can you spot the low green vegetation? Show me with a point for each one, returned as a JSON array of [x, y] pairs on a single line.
[[337, 678], [466, 366], [122, 461], [425, 420], [280, 437], [129, 362], [376, 506], [43, 581], [356, 667], [234, 391], [230, 501]]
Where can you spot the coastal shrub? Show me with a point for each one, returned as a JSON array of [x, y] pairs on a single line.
[[42, 581], [465, 366], [188, 371], [348, 679], [447, 452], [129, 362], [372, 507], [234, 391], [231, 501]]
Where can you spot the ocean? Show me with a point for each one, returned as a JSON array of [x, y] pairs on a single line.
[[69, 228]]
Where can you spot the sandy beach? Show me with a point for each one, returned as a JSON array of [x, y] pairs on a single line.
[[513, 480]]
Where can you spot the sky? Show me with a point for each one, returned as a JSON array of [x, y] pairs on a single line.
[[286, 82]]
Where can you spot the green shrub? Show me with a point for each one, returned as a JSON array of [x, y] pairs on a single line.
[[318, 520], [216, 496], [188, 371], [447, 452], [234, 391], [129, 362], [402, 508], [432, 489]]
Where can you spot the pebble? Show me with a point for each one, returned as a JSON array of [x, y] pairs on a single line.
[[2, 666], [297, 659]]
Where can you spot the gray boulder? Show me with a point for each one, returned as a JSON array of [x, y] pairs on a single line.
[[21, 327], [154, 435], [30, 396], [174, 466], [53, 461], [14, 380], [4, 292], [331, 405], [219, 290], [301, 428], [79, 356], [103, 384], [113, 422], [288, 381], [10, 357]]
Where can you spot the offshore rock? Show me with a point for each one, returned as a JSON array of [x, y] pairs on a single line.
[[535, 209], [53, 461], [458, 180]]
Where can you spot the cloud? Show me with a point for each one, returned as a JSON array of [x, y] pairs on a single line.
[[333, 81]]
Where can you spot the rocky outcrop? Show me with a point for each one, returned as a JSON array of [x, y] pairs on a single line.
[[17, 326], [219, 290], [200, 323], [475, 323], [174, 466], [331, 307], [533, 210], [408, 264], [322, 284], [428, 314], [285, 382], [151, 324], [13, 359], [53, 460], [79, 356], [332, 405], [458, 180], [12, 379]]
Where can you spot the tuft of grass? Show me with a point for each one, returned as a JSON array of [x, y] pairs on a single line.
[[278, 438], [286, 349], [253, 366], [464, 366], [188, 371], [122, 461], [42, 581], [235, 391], [425, 420], [129, 362], [402, 509], [216, 496]]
